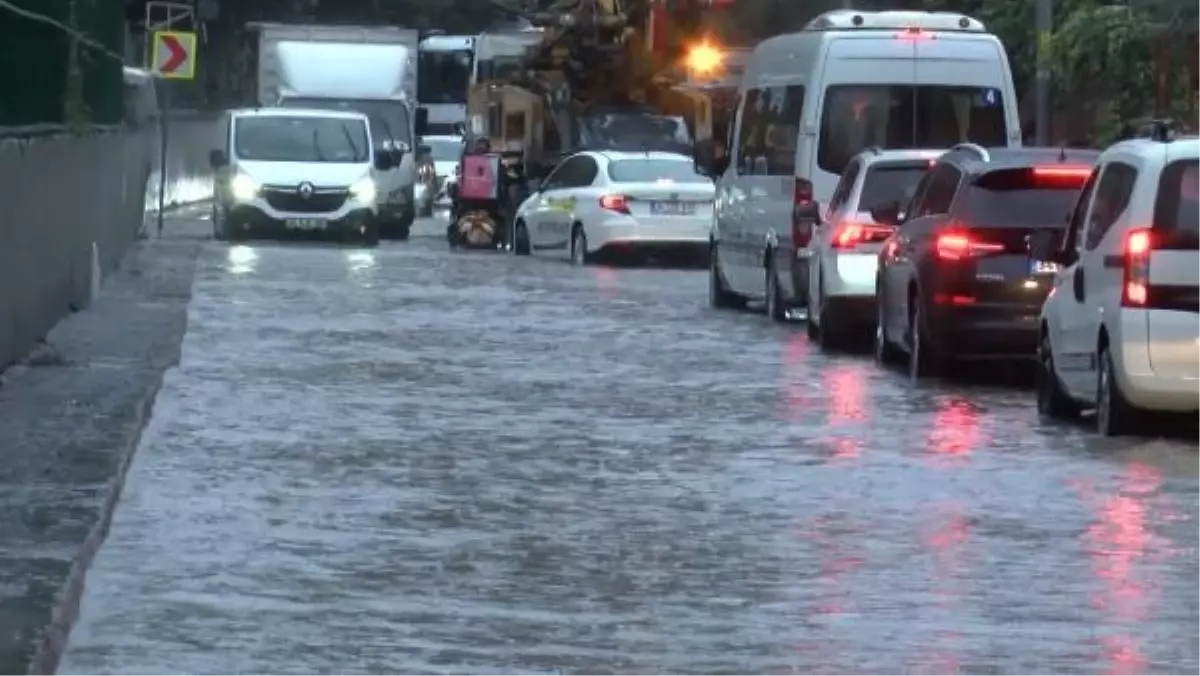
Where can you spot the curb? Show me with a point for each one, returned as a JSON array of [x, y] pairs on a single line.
[[54, 638]]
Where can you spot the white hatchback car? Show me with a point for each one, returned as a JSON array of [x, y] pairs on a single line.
[[617, 202], [844, 253], [1120, 331]]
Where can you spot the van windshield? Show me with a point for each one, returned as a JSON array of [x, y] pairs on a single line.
[[855, 117], [389, 119], [276, 138]]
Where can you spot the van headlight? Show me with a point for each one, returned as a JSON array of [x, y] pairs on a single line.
[[244, 188], [364, 190]]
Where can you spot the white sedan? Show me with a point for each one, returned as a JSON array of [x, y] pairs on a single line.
[[617, 202]]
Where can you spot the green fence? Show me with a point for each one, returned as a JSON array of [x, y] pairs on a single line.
[[62, 65]]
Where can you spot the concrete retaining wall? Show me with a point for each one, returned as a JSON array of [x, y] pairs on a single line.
[[66, 201]]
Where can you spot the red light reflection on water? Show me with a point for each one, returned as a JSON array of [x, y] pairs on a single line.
[[606, 281], [1117, 542], [946, 536], [839, 555], [956, 429], [846, 388], [797, 396]]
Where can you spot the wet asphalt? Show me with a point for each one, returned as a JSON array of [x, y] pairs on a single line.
[[407, 460]]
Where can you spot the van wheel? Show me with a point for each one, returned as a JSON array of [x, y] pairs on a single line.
[[1115, 416], [1052, 401], [776, 308], [720, 297]]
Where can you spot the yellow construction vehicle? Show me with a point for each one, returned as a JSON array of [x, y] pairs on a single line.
[[553, 89]]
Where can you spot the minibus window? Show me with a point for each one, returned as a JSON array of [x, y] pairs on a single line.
[[905, 116]]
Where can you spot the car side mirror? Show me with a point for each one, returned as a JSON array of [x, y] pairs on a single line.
[[386, 160], [217, 159], [706, 160], [887, 213]]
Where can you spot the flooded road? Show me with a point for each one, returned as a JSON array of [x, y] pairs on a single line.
[[407, 460]]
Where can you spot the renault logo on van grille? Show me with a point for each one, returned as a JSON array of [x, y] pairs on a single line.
[[305, 190]]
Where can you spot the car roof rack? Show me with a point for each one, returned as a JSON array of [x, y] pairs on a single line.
[[979, 150]]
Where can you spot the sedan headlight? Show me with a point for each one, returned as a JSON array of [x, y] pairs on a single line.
[[244, 188], [364, 190]]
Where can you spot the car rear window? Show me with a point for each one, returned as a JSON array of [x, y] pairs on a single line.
[[887, 183], [1020, 198], [650, 171], [1177, 209]]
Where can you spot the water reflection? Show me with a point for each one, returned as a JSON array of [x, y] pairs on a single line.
[[1117, 542], [846, 407], [242, 260], [797, 392], [945, 534], [360, 264], [956, 429], [606, 281]]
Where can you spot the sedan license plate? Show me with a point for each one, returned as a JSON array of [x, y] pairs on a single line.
[[1043, 267], [305, 223], [672, 208]]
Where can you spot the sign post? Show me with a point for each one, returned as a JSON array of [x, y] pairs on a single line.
[[172, 57]]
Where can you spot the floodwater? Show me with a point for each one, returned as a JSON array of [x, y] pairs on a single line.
[[410, 460]]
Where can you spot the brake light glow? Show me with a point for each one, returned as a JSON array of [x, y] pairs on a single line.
[[802, 225], [1138, 245], [617, 203], [913, 33], [847, 235], [1062, 172], [956, 246]]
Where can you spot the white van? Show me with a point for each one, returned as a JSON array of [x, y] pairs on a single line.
[[810, 101]]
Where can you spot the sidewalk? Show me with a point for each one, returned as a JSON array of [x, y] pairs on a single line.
[[72, 413]]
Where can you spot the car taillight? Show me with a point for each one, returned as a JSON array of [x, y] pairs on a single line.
[[802, 222], [1138, 245], [617, 203], [848, 235], [956, 246]]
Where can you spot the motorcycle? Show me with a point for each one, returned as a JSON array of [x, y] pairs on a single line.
[[483, 201]]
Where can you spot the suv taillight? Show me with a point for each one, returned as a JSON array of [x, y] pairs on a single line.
[[958, 245], [802, 216], [1138, 245]]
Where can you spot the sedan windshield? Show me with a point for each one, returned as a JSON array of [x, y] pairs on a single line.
[[653, 171], [278, 138]]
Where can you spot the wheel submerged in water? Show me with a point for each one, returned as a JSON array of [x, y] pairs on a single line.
[[477, 229]]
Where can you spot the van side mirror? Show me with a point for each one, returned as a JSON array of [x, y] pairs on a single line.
[[217, 159], [707, 161], [887, 213], [386, 160]]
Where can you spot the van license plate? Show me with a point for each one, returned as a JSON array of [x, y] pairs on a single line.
[[672, 208], [1043, 267], [305, 223]]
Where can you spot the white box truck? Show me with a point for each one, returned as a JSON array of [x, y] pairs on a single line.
[[369, 69]]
